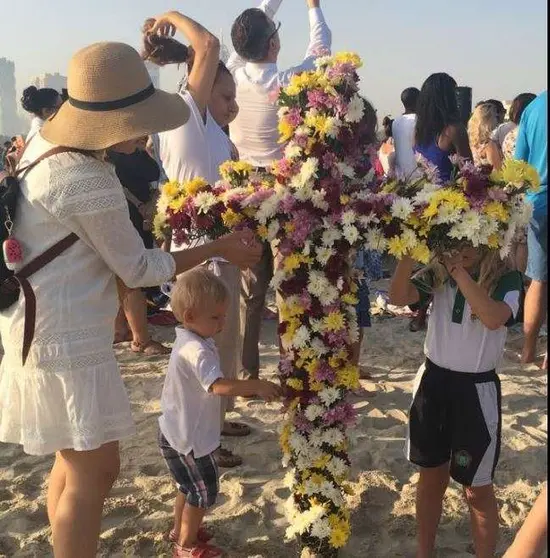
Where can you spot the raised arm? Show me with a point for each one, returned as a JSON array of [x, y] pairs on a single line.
[[206, 53], [320, 41], [402, 290], [270, 8]]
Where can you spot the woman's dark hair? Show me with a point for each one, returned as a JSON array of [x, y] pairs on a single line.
[[368, 124], [437, 108], [162, 50], [36, 100], [387, 124], [251, 33], [519, 104]]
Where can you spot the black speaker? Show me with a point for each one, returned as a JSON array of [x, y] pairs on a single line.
[[464, 101]]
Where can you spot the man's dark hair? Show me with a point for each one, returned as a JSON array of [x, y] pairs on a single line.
[[519, 104], [409, 98], [251, 33]]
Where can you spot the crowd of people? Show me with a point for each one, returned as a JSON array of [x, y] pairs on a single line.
[[121, 138]]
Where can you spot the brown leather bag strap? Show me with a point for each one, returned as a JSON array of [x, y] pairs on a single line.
[[30, 299], [21, 173]]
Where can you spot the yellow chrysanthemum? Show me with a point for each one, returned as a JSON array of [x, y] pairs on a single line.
[[261, 231], [348, 58], [344, 199], [493, 241], [340, 531], [292, 262], [177, 203], [348, 377], [454, 199], [517, 173], [194, 186], [496, 210], [335, 321], [286, 130], [289, 228], [230, 218], [316, 386], [397, 247], [171, 189], [284, 439], [350, 299], [292, 326], [321, 463], [295, 384], [421, 253], [334, 362], [317, 478]]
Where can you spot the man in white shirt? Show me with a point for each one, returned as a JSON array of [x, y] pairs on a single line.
[[403, 133], [255, 133]]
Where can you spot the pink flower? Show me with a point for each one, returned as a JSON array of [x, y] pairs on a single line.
[[294, 117]]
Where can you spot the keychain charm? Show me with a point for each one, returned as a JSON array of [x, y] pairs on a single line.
[[11, 249]]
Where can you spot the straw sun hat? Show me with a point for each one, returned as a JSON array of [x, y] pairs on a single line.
[[111, 100]]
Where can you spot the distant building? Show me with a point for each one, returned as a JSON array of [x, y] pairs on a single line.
[[9, 120], [52, 81], [154, 73]]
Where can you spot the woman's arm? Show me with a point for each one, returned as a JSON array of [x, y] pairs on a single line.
[[494, 154], [206, 54], [461, 143], [402, 290]]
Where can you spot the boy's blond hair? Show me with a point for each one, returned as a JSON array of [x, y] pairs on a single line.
[[197, 289]]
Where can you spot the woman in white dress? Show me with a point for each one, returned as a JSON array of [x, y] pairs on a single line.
[[68, 397], [41, 103]]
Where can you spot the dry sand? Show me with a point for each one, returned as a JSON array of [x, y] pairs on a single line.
[[248, 519]]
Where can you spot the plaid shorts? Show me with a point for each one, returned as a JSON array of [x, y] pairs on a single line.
[[198, 478]]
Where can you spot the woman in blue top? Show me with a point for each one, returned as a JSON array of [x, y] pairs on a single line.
[[439, 132]]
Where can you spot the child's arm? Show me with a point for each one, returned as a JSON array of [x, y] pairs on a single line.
[[247, 388], [402, 290], [493, 314]]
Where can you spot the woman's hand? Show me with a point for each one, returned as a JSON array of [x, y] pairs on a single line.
[[241, 248], [452, 262], [164, 25]]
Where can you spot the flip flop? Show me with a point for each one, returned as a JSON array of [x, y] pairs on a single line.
[[201, 550], [163, 318], [226, 459], [203, 535], [235, 429], [151, 348]]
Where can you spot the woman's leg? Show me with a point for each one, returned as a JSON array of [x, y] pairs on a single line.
[[178, 513], [89, 478], [484, 519], [430, 491], [56, 485]]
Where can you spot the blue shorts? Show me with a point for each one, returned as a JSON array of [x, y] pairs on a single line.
[[537, 264], [363, 306]]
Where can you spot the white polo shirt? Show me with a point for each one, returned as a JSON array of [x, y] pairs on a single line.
[[255, 130], [403, 139], [457, 341], [190, 419]]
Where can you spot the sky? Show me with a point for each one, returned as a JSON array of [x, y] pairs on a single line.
[[497, 47]]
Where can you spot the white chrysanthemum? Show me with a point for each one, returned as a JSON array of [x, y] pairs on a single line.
[[313, 412], [317, 198], [402, 208], [204, 201], [349, 217], [316, 325], [424, 196], [322, 61], [329, 295], [337, 467], [375, 240], [346, 170], [290, 479], [333, 437], [309, 170], [353, 328], [278, 277], [321, 529], [329, 395], [272, 230], [302, 521], [409, 238], [366, 220], [304, 192], [356, 109], [351, 234], [317, 283], [332, 127], [293, 151], [330, 236], [298, 443], [268, 208], [282, 112], [319, 347], [447, 214], [316, 438], [301, 337], [323, 254]]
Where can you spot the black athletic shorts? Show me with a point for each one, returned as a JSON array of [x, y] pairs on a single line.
[[456, 417]]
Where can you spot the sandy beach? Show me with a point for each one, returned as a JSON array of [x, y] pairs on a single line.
[[248, 520]]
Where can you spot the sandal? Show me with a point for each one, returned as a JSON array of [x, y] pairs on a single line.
[[364, 374], [227, 459], [201, 550], [235, 429], [203, 535], [151, 348], [162, 318]]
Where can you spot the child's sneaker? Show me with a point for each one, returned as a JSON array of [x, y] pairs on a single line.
[[200, 551]]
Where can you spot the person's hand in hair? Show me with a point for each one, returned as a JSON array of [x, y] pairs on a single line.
[[163, 25]]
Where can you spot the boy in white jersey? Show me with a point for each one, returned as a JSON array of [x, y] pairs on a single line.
[[455, 416], [191, 398]]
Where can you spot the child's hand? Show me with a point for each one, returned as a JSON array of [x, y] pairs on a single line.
[[268, 390], [453, 262]]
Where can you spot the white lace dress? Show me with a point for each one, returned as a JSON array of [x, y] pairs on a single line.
[[70, 393]]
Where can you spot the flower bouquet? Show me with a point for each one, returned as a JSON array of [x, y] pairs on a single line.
[[477, 207]]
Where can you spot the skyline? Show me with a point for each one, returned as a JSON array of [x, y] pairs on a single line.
[[489, 46]]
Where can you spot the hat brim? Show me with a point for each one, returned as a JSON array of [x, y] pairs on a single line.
[[97, 130]]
